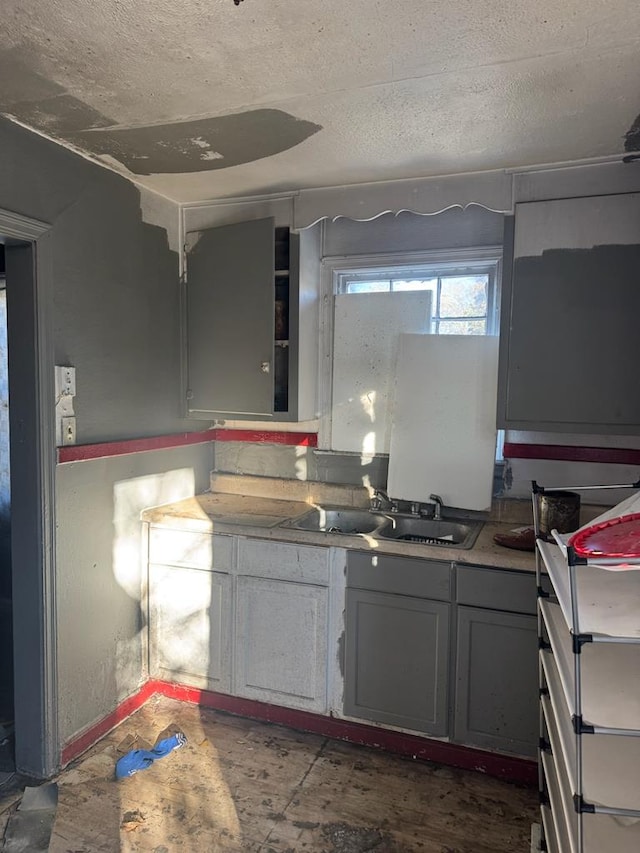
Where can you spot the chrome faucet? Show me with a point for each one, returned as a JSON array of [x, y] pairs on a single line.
[[381, 500], [437, 506]]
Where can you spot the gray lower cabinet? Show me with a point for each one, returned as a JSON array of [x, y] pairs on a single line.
[[397, 660], [281, 642], [496, 680], [190, 626]]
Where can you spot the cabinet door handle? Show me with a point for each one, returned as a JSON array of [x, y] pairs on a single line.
[[265, 366]]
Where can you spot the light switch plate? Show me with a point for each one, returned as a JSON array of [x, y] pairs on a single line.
[[68, 430]]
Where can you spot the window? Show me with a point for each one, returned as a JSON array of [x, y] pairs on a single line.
[[463, 296], [356, 378]]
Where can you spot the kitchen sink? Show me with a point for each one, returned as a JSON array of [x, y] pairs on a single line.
[[351, 521], [429, 531], [346, 520]]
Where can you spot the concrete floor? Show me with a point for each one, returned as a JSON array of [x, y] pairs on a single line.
[[239, 785]]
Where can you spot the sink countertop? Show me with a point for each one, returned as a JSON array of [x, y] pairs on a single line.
[[245, 515]]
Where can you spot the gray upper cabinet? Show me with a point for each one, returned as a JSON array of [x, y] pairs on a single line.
[[245, 315], [570, 303]]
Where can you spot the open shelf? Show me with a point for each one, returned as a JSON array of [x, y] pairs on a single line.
[[608, 602], [550, 837], [601, 833], [610, 763], [565, 818], [589, 634], [609, 672]]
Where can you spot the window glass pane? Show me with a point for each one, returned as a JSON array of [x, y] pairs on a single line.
[[415, 284], [354, 286], [464, 296], [462, 327]]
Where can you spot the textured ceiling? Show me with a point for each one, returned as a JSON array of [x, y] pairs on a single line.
[[205, 99]]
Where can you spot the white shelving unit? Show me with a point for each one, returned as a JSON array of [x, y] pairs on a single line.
[[589, 631]]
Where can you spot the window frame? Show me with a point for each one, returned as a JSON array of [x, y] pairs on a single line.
[[332, 268]]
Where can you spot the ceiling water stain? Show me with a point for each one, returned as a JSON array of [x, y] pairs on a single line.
[[59, 115], [198, 145], [30, 97]]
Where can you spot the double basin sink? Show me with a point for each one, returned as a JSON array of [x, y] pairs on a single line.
[[390, 526]]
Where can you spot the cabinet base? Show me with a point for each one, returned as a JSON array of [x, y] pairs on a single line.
[[506, 767]]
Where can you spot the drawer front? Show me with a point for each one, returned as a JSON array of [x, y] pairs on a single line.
[[265, 558], [496, 589], [189, 548], [399, 575]]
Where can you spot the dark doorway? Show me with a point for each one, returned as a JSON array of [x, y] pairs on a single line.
[[7, 716], [27, 591]]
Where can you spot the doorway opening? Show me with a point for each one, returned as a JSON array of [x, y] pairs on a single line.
[[28, 696], [7, 716]]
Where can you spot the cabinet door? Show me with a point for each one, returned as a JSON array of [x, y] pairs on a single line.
[[496, 705], [281, 643], [230, 303], [190, 626], [397, 660], [570, 301]]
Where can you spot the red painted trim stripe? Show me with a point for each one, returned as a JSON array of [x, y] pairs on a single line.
[[83, 741], [505, 767], [299, 439], [83, 452], [568, 453]]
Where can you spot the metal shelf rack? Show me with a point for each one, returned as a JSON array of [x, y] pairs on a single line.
[[589, 641]]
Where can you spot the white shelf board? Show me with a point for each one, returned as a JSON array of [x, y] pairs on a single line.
[[600, 833], [550, 837], [608, 602], [610, 763], [609, 673], [565, 818]]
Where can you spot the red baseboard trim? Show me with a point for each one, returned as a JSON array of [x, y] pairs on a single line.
[[504, 767], [508, 768], [83, 741], [84, 452], [568, 453]]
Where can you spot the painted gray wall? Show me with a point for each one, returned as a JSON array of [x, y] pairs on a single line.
[[300, 463], [116, 295], [101, 570], [409, 232], [116, 319]]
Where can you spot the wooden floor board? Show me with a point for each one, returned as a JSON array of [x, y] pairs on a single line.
[[240, 785]]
